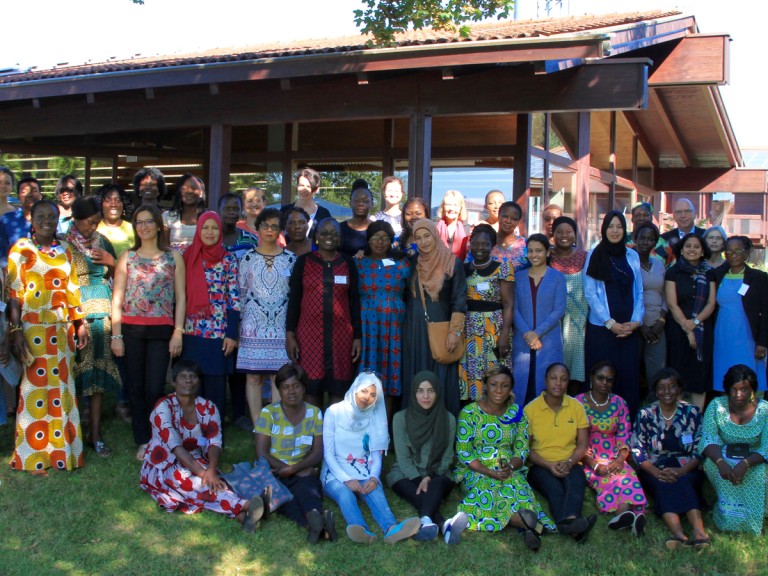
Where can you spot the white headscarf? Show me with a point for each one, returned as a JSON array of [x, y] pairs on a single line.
[[371, 420]]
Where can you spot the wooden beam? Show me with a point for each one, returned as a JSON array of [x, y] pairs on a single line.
[[662, 110], [287, 164], [616, 85], [736, 180], [642, 137], [581, 191], [521, 185], [420, 156], [612, 161], [696, 59], [219, 163], [401, 58]]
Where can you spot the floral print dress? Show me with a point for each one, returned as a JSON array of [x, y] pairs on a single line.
[[165, 478]]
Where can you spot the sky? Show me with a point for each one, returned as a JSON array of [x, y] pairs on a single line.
[[49, 32]]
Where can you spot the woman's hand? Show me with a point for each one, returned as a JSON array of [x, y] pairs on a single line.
[[355, 486], [284, 471], [229, 346], [211, 479], [19, 346], [504, 347], [760, 352], [291, 347], [669, 475], [532, 339], [738, 472], [174, 346], [100, 256], [357, 349], [5, 350], [615, 466], [562, 469], [370, 485], [692, 340], [423, 485], [82, 335], [688, 325], [451, 342], [648, 335], [725, 470], [504, 472], [118, 348]]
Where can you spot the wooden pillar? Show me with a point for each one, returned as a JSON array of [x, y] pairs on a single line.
[[87, 183], [420, 156], [219, 163], [287, 179], [521, 183], [114, 170], [612, 163], [388, 159], [581, 192]]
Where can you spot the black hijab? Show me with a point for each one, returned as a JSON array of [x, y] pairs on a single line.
[[422, 425], [600, 263]]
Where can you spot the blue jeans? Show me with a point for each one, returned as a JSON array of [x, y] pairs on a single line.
[[347, 501]]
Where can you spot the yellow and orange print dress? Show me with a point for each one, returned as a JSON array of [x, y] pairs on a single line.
[[47, 421]]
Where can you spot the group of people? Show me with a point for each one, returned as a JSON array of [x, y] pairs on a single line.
[[462, 342]]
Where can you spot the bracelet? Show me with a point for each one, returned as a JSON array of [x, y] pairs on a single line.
[[610, 323], [596, 465], [116, 337], [717, 462], [570, 461], [746, 461], [179, 329], [14, 328]]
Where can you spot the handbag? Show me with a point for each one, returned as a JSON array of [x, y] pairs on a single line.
[[250, 480], [738, 451], [438, 334]]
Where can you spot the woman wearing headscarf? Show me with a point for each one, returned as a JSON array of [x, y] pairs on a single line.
[[438, 286], [613, 287], [212, 321], [355, 437], [424, 434], [569, 259]]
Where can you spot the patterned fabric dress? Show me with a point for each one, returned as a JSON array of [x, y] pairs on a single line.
[[739, 507], [576, 311], [517, 254], [95, 370], [482, 324], [609, 433], [48, 421], [264, 285], [488, 502], [165, 478], [382, 312]]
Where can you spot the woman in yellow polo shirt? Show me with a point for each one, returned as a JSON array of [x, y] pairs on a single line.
[[559, 433]]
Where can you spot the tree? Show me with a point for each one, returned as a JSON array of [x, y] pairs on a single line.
[[385, 18]]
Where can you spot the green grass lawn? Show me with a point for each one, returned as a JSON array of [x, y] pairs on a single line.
[[98, 521]]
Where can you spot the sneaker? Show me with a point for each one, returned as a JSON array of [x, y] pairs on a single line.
[[316, 525], [622, 521], [453, 528], [360, 534], [638, 526], [428, 530], [329, 523], [403, 530]]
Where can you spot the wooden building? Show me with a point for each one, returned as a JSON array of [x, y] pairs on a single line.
[[608, 110]]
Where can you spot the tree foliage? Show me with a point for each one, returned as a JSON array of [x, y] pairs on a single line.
[[385, 18]]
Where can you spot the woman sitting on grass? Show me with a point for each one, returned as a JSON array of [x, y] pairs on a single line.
[[180, 469]]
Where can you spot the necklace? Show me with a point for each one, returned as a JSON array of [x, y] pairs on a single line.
[[665, 418], [607, 399], [482, 266], [50, 251]]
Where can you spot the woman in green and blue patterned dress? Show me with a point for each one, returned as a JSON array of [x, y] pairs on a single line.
[[492, 446]]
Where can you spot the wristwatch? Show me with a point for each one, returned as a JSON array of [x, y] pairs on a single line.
[[458, 333], [697, 322]]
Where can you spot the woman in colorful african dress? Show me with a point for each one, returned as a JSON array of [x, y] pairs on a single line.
[[94, 260], [569, 259], [180, 467], [509, 245], [212, 323], [490, 292], [605, 464], [383, 275], [45, 315], [735, 441], [491, 448]]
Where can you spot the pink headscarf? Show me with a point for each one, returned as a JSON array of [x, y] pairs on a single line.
[[198, 301]]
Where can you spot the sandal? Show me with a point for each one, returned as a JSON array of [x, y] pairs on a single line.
[[101, 449], [253, 515], [699, 544], [534, 529], [675, 543]]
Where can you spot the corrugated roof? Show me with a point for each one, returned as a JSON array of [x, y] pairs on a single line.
[[501, 30]]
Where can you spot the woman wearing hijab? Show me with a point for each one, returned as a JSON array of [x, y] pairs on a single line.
[[438, 283], [613, 287], [212, 321], [355, 437], [424, 434]]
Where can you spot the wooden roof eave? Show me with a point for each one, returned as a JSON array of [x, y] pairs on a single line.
[[517, 50]]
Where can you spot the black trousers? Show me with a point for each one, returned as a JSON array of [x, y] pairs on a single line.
[[427, 503], [307, 495], [146, 366]]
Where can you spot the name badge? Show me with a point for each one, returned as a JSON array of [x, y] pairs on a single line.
[[286, 273], [339, 279], [483, 286], [687, 438], [2, 306], [743, 289], [305, 440], [388, 262]]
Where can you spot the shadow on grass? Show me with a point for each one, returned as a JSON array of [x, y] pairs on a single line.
[[97, 521]]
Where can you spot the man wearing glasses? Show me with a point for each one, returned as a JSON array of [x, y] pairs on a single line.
[[683, 215]]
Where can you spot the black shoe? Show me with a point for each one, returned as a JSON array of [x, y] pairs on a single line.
[[581, 537], [316, 525], [638, 526], [254, 515], [266, 497], [573, 526], [330, 525], [622, 521]]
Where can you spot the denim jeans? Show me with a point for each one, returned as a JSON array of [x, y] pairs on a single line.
[[347, 501], [565, 495]]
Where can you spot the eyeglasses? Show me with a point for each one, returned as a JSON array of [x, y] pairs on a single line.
[[604, 378], [68, 190], [267, 226], [735, 252], [141, 223], [380, 238]]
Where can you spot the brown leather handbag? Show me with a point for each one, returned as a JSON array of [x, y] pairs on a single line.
[[438, 334]]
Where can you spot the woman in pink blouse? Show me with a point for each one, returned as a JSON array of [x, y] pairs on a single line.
[[213, 308], [146, 328]]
